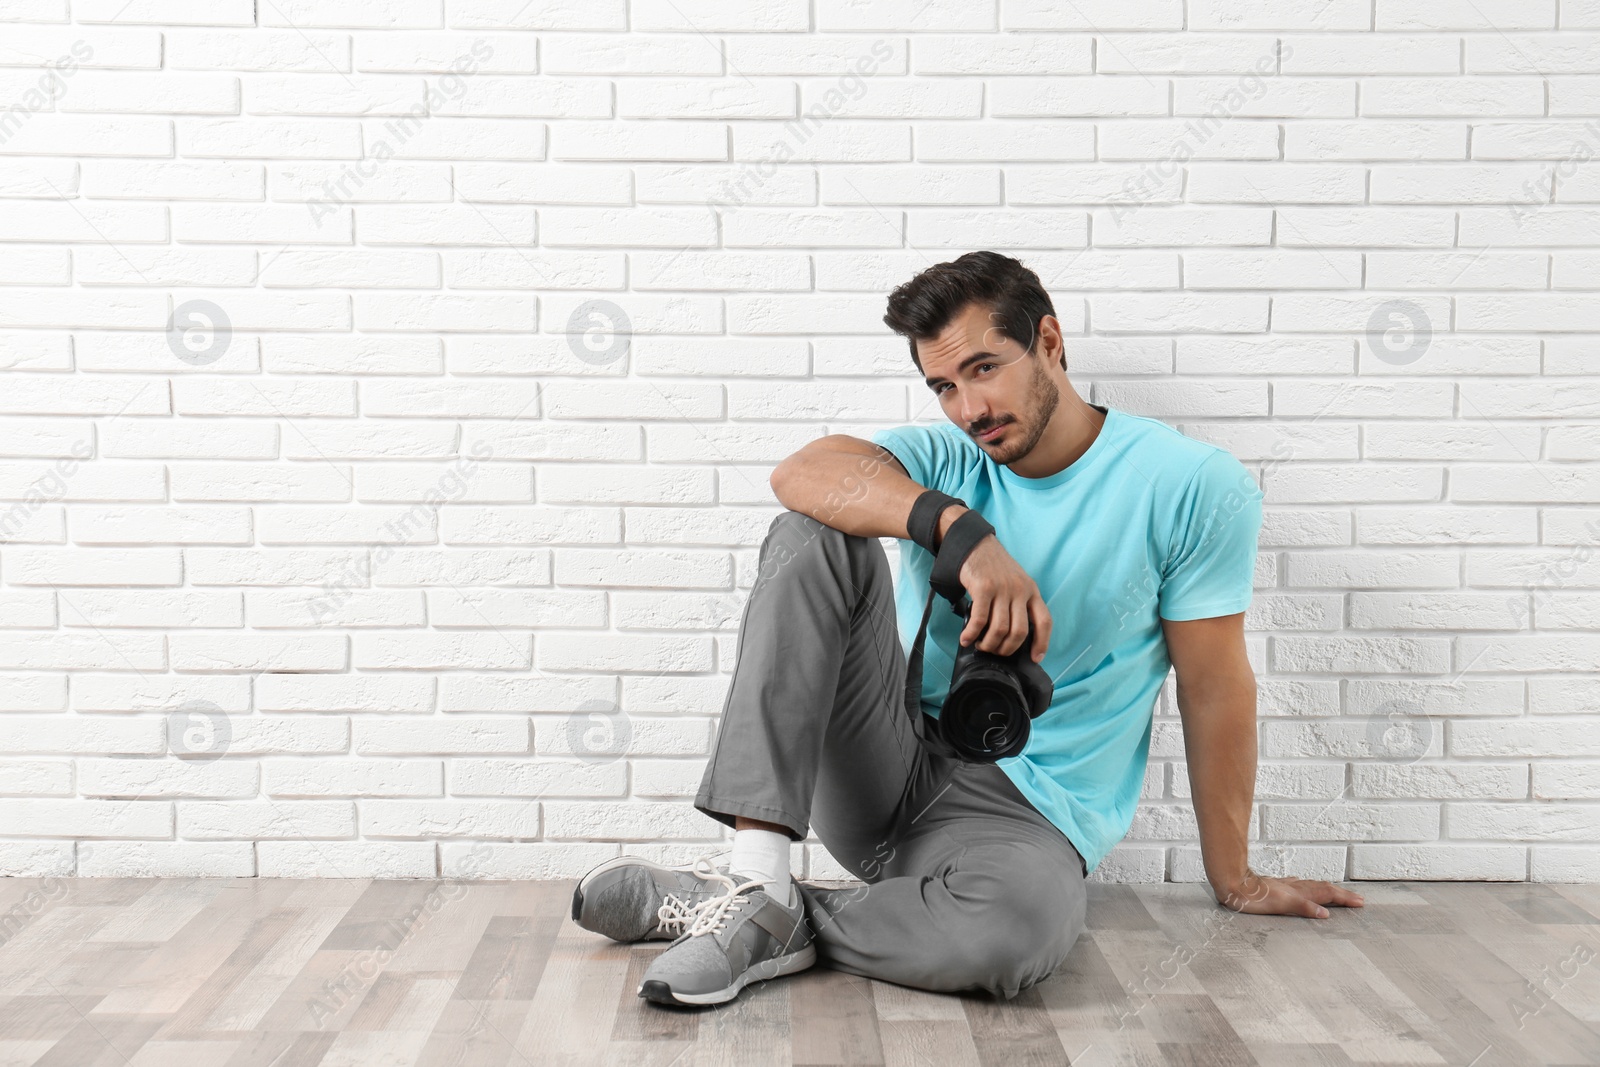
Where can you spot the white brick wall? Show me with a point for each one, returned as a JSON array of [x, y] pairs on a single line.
[[433, 557]]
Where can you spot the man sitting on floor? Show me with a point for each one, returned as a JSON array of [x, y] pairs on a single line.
[[1127, 549]]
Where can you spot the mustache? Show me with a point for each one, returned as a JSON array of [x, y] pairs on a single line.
[[976, 430]]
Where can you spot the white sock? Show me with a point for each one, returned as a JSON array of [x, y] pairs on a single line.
[[763, 854]]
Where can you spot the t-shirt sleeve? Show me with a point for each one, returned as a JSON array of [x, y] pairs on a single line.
[[930, 456], [1210, 568]]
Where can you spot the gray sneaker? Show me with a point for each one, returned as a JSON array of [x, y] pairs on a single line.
[[632, 899], [739, 936]]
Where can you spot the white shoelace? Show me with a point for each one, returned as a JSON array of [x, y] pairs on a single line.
[[709, 915]]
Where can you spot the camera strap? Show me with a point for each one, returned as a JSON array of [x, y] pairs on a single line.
[[945, 580]]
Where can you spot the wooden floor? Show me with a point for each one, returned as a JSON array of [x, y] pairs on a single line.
[[278, 973]]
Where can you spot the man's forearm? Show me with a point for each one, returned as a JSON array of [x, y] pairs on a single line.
[[1219, 736], [850, 488]]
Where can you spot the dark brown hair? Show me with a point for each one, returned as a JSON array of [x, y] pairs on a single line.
[[927, 303]]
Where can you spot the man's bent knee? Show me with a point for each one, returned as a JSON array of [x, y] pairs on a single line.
[[793, 535], [796, 528], [1019, 939], [1006, 961]]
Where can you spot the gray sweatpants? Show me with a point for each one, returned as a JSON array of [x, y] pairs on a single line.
[[966, 885]]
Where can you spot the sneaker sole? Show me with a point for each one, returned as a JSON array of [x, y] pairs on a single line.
[[658, 992], [604, 877]]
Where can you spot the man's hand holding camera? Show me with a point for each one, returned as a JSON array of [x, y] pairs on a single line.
[[1004, 598]]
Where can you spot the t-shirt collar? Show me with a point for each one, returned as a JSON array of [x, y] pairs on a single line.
[[1097, 448]]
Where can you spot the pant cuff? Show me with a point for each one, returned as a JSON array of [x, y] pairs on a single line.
[[724, 811]]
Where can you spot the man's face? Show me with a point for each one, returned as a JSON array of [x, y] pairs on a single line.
[[986, 381]]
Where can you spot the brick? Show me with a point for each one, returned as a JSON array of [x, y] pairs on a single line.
[[1095, 15], [1496, 15], [1470, 863], [1566, 781], [440, 736], [166, 859], [1339, 655], [1444, 97], [1532, 53], [257, 50], [1328, 139], [31, 817], [1373, 568], [1488, 821], [179, 12], [612, 653], [222, 820], [522, 778], [156, 778], [632, 821], [358, 14], [346, 859]]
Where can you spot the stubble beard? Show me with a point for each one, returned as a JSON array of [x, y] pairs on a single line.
[[1046, 399]]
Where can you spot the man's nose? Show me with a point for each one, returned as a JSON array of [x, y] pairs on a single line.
[[974, 409]]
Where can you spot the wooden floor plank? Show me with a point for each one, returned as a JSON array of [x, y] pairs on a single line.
[[248, 1002], [1253, 998], [1367, 1026], [927, 1043], [637, 1020], [102, 1041], [22, 1053], [36, 950], [1298, 1055], [159, 1053], [510, 957], [46, 1018], [273, 1048], [1551, 1035], [1016, 1032], [834, 1020], [160, 913], [576, 1003], [1462, 1029], [1582, 894], [474, 1033], [191, 1021], [446, 936], [188, 958], [1085, 993]]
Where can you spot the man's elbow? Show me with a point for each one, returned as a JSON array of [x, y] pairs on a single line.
[[778, 480], [783, 475], [792, 467]]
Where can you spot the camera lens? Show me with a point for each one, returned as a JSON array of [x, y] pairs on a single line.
[[986, 717]]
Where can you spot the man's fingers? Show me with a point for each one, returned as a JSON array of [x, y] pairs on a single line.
[[1019, 627], [1309, 908], [1040, 613], [977, 619], [999, 627], [1347, 898], [1328, 893]]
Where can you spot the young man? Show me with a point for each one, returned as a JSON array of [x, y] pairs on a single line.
[[1127, 547]]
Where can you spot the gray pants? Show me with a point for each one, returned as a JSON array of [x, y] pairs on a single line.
[[967, 886]]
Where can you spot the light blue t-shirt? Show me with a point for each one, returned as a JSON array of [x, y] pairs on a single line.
[[1146, 525]]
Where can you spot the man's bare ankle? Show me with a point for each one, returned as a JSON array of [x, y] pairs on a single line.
[[742, 823]]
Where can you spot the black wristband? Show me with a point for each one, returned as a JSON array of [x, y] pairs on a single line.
[[959, 541], [923, 523]]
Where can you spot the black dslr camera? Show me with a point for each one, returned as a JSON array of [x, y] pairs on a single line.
[[993, 699]]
